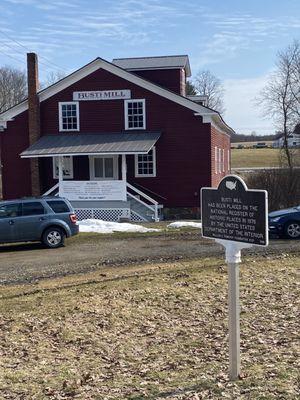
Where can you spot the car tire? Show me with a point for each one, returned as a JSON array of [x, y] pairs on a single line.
[[292, 230], [53, 237]]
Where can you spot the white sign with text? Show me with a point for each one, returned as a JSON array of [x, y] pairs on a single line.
[[102, 95], [93, 190]]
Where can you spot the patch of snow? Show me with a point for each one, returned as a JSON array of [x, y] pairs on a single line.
[[99, 226], [183, 224]]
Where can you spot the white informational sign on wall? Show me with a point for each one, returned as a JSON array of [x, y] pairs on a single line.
[[93, 190], [102, 95]]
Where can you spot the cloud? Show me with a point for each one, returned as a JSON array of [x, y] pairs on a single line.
[[235, 32], [242, 113]]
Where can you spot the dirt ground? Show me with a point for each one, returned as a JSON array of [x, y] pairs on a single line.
[[30, 262], [156, 331]]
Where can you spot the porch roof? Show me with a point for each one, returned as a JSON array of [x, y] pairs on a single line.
[[92, 144]]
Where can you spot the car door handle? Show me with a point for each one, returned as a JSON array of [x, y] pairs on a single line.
[[41, 219], [11, 222]]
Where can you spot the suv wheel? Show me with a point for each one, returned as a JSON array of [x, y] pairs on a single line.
[[292, 230], [53, 237]]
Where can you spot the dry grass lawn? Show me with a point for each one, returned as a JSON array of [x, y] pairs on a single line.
[[152, 332], [245, 158]]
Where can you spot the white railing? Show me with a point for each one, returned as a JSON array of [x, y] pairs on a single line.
[[53, 189], [145, 196], [153, 206]]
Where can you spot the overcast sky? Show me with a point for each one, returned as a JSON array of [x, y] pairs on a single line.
[[236, 40]]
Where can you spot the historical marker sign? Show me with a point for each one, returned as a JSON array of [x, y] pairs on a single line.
[[233, 212]]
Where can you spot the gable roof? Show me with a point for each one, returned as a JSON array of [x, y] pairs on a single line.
[[208, 115], [157, 62]]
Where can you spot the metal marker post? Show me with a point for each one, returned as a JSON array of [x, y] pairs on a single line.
[[233, 258]]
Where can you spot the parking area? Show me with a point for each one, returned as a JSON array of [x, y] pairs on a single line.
[[29, 262]]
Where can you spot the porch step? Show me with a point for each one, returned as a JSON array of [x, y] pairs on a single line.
[[142, 210]]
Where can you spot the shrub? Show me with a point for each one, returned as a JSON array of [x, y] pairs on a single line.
[[282, 185]]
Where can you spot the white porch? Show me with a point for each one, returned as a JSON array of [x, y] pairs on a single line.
[[109, 200], [106, 194]]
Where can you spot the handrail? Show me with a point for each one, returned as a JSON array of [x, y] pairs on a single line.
[[150, 191], [140, 201], [142, 194], [146, 197], [51, 190]]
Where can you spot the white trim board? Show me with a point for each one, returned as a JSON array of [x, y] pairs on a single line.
[[130, 77], [84, 154]]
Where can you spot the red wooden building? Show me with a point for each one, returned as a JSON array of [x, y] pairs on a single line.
[[118, 139]]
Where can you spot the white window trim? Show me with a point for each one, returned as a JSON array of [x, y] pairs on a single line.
[[220, 160], [126, 102], [60, 104], [223, 160], [64, 176], [216, 160], [92, 168], [228, 160], [136, 168]]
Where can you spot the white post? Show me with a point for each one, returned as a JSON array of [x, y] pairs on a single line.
[[126, 212], [156, 219], [234, 314], [124, 167], [233, 258], [60, 173]]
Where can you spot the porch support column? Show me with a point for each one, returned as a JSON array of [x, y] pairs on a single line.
[[124, 168], [60, 173]]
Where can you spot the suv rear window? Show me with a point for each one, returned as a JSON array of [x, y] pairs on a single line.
[[10, 210], [33, 208], [58, 206]]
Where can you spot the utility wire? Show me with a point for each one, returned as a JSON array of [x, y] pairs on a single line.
[[11, 48], [27, 49], [14, 58]]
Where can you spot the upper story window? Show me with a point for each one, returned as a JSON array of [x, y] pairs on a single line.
[[69, 116], [135, 114]]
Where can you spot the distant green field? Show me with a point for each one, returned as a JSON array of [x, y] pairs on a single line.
[[243, 158]]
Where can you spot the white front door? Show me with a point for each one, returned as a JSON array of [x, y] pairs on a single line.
[[103, 168]]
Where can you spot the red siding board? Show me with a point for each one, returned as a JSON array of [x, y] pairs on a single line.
[[183, 152], [15, 171], [220, 141], [169, 78]]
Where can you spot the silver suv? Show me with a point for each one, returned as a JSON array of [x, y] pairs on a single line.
[[46, 219]]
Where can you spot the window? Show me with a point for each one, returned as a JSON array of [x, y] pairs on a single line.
[[220, 161], [145, 164], [135, 114], [67, 167], [228, 160], [33, 208], [58, 206], [216, 160], [69, 116], [223, 160], [102, 168], [10, 210]]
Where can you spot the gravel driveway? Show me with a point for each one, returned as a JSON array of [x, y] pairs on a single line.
[[30, 262]]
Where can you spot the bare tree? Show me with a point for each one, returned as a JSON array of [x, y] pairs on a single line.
[[52, 78], [280, 97], [209, 85], [13, 87], [190, 89]]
